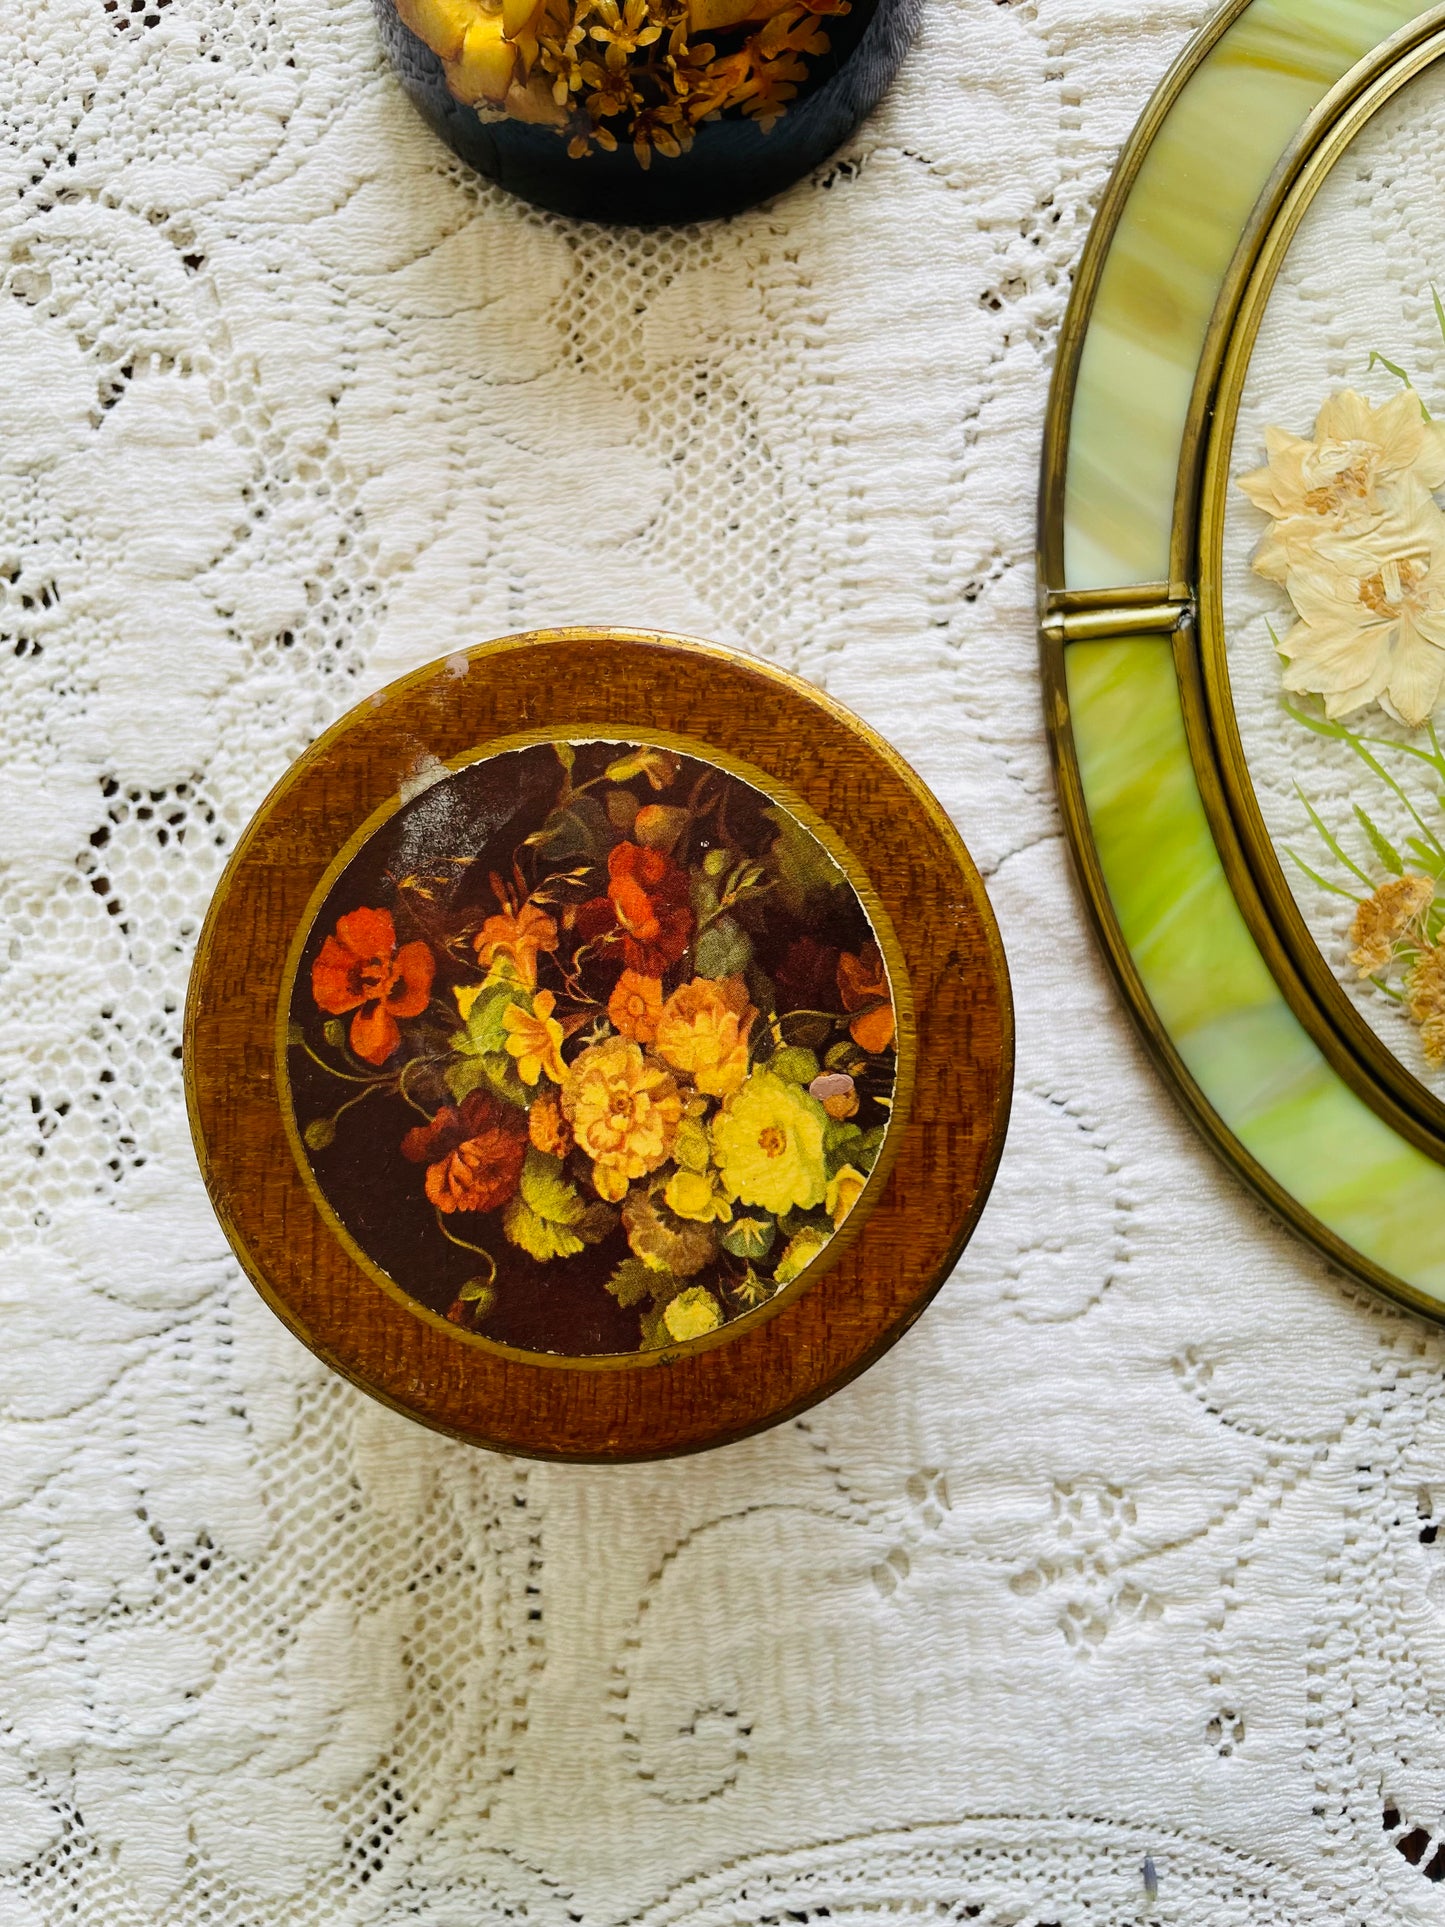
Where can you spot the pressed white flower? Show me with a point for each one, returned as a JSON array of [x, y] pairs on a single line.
[[1372, 621], [1364, 468]]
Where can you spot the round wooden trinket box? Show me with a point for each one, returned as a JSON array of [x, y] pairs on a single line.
[[645, 111], [599, 1046]]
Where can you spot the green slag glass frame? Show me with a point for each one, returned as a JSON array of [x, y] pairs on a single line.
[[1205, 199]]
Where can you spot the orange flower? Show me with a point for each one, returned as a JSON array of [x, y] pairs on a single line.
[[863, 986], [646, 909], [516, 939], [534, 1039], [361, 969], [635, 1005], [473, 1154], [703, 1030]]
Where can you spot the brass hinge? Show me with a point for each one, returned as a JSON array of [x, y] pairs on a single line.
[[1098, 622]]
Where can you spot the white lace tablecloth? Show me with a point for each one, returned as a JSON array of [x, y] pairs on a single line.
[[1127, 1550]]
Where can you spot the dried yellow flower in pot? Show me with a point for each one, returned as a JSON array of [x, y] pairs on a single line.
[[620, 82]]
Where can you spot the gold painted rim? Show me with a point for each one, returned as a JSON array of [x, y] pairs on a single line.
[[1168, 610], [899, 984]]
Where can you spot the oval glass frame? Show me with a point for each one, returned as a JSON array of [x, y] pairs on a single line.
[[946, 967], [1237, 1005]]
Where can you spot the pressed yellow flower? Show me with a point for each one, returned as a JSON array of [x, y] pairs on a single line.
[[576, 65], [694, 1194], [768, 1142], [1381, 921], [844, 1191], [623, 30], [624, 1112], [1372, 622], [703, 1029], [1425, 990], [534, 104], [1364, 466], [442, 24], [692, 1314], [534, 1038]]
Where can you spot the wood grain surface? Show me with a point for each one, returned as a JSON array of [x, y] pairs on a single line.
[[626, 684]]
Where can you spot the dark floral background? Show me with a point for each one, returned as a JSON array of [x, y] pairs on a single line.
[[592, 1048]]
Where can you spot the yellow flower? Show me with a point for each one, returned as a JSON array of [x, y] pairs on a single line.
[[1372, 621], [1425, 987], [1383, 919], [703, 1030], [1364, 466], [768, 1141], [843, 1193], [692, 1314], [624, 31], [799, 1253], [624, 1113], [535, 1039], [693, 1194], [466, 995], [442, 24], [485, 65]]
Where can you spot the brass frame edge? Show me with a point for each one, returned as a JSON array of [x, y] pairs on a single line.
[[1175, 1073], [1080, 311], [1055, 600]]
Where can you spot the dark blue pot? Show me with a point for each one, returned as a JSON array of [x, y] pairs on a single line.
[[731, 163]]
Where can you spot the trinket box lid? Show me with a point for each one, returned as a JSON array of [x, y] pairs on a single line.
[[599, 1046]]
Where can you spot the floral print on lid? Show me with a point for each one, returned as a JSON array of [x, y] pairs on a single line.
[[592, 1048]]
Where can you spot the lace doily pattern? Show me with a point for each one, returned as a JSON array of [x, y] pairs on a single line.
[[1126, 1552]]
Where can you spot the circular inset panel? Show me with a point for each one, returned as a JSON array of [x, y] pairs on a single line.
[[591, 1003], [592, 1046]]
